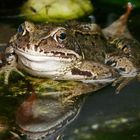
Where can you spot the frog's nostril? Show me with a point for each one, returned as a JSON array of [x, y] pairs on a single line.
[[36, 47], [121, 69]]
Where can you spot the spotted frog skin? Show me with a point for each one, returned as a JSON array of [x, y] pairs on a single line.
[[60, 53], [79, 52]]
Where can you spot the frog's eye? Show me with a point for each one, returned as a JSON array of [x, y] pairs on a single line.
[[21, 30], [60, 35]]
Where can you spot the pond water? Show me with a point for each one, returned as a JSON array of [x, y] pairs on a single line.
[[104, 115]]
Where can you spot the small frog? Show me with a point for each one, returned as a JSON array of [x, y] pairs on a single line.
[[126, 57]]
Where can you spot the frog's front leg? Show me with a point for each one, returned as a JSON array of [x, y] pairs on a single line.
[[121, 82], [10, 64], [92, 76], [90, 72]]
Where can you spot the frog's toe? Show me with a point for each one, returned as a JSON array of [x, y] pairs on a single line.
[[121, 86], [121, 82], [6, 77], [19, 72], [6, 70], [67, 100], [117, 81], [138, 76]]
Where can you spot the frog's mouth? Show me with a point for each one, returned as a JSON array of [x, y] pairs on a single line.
[[56, 54], [47, 64]]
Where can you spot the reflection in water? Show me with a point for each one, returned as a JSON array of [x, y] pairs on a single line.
[[40, 106], [40, 116]]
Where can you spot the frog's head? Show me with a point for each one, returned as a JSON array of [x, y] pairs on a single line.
[[45, 47]]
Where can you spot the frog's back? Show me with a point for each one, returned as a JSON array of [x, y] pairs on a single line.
[[91, 41]]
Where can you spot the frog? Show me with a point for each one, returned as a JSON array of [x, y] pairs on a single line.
[[126, 57], [61, 62], [79, 52], [59, 52]]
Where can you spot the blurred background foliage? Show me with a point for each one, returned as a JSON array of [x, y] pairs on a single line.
[[58, 10]]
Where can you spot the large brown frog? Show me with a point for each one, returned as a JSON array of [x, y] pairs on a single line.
[[61, 53], [74, 53], [79, 52]]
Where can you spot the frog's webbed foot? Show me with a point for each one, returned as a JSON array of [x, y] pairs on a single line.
[[121, 82], [6, 70]]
